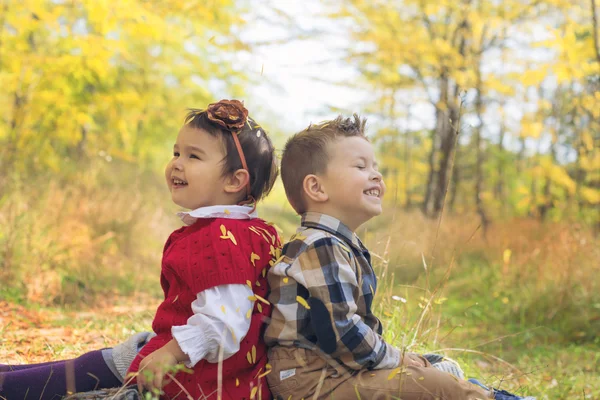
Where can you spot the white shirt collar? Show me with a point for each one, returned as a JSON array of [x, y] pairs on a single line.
[[233, 212]]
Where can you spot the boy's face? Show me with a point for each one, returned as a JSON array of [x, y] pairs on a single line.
[[352, 182], [195, 174]]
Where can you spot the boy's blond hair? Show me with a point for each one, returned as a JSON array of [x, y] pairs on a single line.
[[306, 153]]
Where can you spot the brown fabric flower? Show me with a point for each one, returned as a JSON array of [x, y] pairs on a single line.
[[230, 114]]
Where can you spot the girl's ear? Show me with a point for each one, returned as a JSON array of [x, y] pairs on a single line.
[[237, 181], [314, 189]]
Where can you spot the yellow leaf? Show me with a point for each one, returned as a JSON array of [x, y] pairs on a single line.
[[302, 301], [259, 307], [249, 357], [232, 237], [257, 283], [227, 212], [286, 279], [237, 382], [249, 314], [249, 284], [223, 230], [223, 309], [394, 372], [261, 299], [254, 257], [253, 392], [506, 255], [253, 353]]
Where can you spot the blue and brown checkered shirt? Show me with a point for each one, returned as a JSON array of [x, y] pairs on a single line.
[[322, 290]]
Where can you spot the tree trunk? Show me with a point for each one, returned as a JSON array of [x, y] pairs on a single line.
[[480, 156]]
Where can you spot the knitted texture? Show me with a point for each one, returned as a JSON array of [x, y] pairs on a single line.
[[209, 253], [122, 355]]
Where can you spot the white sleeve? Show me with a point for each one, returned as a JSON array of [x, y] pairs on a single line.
[[219, 320]]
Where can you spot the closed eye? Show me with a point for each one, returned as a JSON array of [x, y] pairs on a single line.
[[194, 156]]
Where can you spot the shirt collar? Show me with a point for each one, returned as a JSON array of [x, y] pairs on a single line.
[[232, 212], [332, 225]]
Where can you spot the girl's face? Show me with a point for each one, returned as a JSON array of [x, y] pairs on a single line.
[[195, 173]]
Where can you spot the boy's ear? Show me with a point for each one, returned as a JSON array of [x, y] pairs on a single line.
[[237, 181], [313, 188]]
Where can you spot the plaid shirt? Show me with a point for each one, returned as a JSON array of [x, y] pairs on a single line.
[[322, 289]]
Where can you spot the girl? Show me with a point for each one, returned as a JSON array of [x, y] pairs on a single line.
[[208, 341]]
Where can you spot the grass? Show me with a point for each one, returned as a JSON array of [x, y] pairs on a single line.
[[79, 267]]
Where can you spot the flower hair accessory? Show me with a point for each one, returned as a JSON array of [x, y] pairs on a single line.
[[232, 116], [229, 114]]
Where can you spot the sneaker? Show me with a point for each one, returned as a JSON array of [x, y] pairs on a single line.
[[500, 394]]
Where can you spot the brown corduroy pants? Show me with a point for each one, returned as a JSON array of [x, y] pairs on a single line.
[[304, 374]]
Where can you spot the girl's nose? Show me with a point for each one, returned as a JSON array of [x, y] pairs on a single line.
[[177, 164]]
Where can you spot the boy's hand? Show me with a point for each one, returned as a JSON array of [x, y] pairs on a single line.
[[156, 365]]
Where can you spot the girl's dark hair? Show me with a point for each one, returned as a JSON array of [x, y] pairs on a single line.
[[256, 145]]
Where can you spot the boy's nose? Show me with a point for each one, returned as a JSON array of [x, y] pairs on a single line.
[[377, 177]]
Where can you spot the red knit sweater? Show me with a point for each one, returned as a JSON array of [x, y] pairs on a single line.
[[213, 252]]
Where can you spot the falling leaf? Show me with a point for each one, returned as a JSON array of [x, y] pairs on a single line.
[[249, 284], [506, 256], [392, 374], [232, 237], [254, 257], [286, 279], [237, 382], [253, 353], [249, 358], [344, 247], [212, 40], [223, 309], [248, 314], [421, 378], [227, 212], [261, 299], [302, 301], [262, 69], [252, 298], [424, 263], [223, 230], [257, 283], [264, 272], [259, 307], [253, 392], [265, 373]]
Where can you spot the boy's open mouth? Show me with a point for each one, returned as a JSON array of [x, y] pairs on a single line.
[[372, 192], [179, 182]]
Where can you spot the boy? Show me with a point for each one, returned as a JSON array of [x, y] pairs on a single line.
[[324, 341]]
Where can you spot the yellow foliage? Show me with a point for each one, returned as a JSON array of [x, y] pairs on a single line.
[[590, 195]]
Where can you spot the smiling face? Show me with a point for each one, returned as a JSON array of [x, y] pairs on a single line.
[[352, 184], [195, 173]]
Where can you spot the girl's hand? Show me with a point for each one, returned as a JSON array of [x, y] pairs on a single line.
[[156, 365], [153, 369]]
